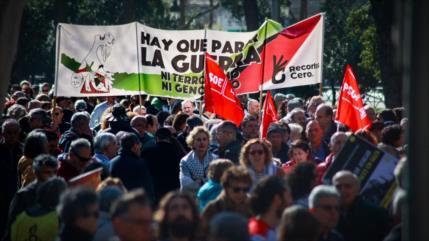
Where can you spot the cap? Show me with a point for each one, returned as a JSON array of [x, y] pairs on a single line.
[[276, 128]]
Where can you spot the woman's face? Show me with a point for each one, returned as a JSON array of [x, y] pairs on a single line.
[[201, 142], [257, 156], [299, 155]]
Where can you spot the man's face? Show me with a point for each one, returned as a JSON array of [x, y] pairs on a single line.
[[26, 89], [323, 118], [338, 144], [112, 149], [153, 128], [314, 132], [327, 212], [180, 218], [57, 115], [135, 225], [81, 158], [11, 134], [370, 112], [139, 125], [348, 188], [46, 89], [299, 118], [250, 129], [188, 108], [237, 192], [84, 128], [88, 220], [45, 173], [36, 122], [254, 108], [276, 139], [224, 136]]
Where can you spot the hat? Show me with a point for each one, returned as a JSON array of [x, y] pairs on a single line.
[[118, 113], [276, 128]]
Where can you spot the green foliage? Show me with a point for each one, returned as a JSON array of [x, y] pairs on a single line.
[[350, 38]]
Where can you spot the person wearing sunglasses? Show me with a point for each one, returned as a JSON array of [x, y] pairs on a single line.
[[324, 204], [257, 157], [76, 160], [236, 182], [78, 210]]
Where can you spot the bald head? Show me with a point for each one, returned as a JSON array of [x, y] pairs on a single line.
[[347, 184], [324, 115], [337, 142], [139, 123], [314, 132]]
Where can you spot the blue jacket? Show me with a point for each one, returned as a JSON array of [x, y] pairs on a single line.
[[208, 192]]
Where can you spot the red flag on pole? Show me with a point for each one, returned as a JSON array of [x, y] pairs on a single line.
[[269, 114], [219, 96], [350, 110]]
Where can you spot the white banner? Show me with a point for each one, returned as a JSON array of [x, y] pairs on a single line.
[[134, 58]]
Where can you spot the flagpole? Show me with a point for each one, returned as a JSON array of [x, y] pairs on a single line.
[[204, 73], [54, 101], [138, 68], [262, 75], [321, 62]]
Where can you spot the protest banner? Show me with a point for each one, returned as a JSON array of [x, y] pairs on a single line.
[[280, 58], [136, 59], [373, 167], [89, 179]]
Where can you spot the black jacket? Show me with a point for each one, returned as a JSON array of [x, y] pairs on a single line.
[[231, 151], [364, 221], [133, 171], [163, 161]]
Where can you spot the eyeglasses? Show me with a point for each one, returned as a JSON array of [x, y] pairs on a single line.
[[57, 113], [82, 159], [240, 189], [259, 152], [329, 207], [88, 214]]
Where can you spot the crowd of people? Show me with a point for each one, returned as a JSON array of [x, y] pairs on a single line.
[[171, 171]]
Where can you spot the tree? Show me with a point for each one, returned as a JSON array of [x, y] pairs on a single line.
[[36, 51], [383, 14]]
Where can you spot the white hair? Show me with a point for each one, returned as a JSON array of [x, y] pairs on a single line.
[[102, 140], [320, 192]]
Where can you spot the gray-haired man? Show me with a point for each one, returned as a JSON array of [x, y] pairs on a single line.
[[324, 203]]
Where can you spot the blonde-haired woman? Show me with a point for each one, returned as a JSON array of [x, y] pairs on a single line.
[[257, 157], [194, 166]]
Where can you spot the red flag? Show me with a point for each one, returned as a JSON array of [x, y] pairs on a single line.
[[269, 114], [350, 110], [219, 96]]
